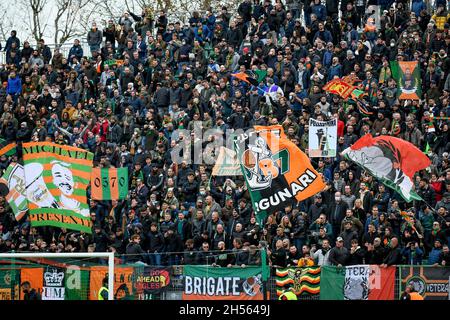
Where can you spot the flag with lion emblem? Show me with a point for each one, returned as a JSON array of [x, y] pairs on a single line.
[[359, 282], [276, 171]]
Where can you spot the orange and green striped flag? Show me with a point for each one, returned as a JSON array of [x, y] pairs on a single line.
[[109, 183], [56, 178], [6, 148]]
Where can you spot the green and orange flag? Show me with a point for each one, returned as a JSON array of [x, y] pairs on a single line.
[[109, 183], [56, 178], [276, 171], [407, 75], [6, 148]]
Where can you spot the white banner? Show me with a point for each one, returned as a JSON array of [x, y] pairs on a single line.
[[322, 138]]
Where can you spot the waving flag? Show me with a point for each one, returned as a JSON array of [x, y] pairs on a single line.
[[392, 160], [276, 171], [339, 87], [6, 148], [351, 78], [246, 78], [409, 221], [364, 108], [260, 75], [56, 178]]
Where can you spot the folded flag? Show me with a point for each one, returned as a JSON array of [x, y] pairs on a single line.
[[440, 118], [390, 160]]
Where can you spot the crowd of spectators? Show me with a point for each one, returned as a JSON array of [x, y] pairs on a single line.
[[144, 77]]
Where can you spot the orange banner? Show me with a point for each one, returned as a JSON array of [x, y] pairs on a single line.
[[123, 276]]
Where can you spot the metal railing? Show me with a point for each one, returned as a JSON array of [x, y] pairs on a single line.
[[63, 48]]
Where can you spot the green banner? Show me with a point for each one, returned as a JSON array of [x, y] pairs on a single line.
[[407, 75], [9, 284], [56, 178], [210, 283], [76, 284]]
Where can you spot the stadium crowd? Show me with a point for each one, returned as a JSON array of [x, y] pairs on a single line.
[[145, 77]]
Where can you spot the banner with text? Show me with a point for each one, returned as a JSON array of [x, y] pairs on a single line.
[[109, 183], [430, 282], [276, 171], [322, 138], [149, 282], [209, 283], [56, 178]]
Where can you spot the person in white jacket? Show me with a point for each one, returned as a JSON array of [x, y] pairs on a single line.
[[321, 255]]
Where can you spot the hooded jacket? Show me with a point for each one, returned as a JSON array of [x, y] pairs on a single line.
[[14, 86]]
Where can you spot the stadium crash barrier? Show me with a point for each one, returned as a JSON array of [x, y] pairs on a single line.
[[78, 280]]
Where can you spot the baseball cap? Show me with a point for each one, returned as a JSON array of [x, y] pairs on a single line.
[[339, 239]]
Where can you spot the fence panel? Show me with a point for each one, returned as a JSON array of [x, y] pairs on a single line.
[[143, 282]]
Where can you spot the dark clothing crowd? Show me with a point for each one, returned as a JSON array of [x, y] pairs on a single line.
[[146, 78]]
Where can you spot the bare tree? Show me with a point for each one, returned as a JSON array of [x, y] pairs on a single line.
[[7, 22], [72, 18], [35, 19], [62, 20]]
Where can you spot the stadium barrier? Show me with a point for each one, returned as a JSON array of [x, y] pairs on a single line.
[[81, 279]]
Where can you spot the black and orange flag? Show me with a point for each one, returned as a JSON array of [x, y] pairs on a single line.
[[109, 184], [246, 78]]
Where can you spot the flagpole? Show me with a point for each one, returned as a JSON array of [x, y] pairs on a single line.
[[209, 182], [262, 90], [434, 210]]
